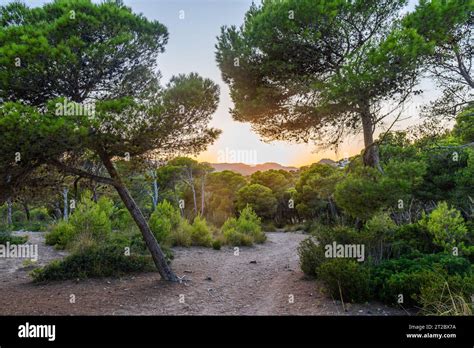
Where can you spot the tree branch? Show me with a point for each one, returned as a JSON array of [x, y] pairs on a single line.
[[81, 173]]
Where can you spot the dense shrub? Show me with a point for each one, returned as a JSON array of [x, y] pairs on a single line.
[[89, 222], [181, 235], [163, 221], [216, 244], [40, 214], [93, 218], [245, 230], [340, 234], [233, 235], [60, 235], [103, 261], [4, 227], [408, 275], [311, 256], [378, 235], [345, 279], [7, 237], [200, 232], [122, 220], [447, 227], [410, 238]]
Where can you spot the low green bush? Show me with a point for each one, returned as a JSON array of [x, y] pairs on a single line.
[[200, 232], [4, 227], [345, 279], [407, 284], [60, 235], [181, 235], [245, 230], [411, 238], [18, 217], [447, 227], [7, 237], [311, 256], [90, 221], [40, 214], [378, 236], [121, 219], [216, 244], [103, 261], [408, 275], [163, 221], [93, 218], [36, 226], [340, 234], [233, 236]]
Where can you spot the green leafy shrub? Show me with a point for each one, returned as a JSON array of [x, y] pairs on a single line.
[[89, 222], [311, 256], [18, 217], [4, 227], [163, 221], [232, 233], [411, 238], [7, 237], [447, 227], [408, 284], [37, 226], [216, 244], [378, 235], [103, 261], [122, 220], [345, 279], [408, 275], [340, 234], [181, 235], [93, 218], [201, 233], [245, 230], [40, 214], [60, 235]]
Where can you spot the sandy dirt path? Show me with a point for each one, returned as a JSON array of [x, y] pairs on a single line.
[[260, 280]]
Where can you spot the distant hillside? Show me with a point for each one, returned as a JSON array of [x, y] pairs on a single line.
[[328, 162], [246, 169]]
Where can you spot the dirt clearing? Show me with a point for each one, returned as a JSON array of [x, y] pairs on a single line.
[[260, 280]]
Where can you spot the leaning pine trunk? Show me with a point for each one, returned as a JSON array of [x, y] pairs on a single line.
[[157, 254]]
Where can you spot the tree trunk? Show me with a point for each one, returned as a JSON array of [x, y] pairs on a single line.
[[27, 210], [9, 212], [157, 254], [57, 211], [332, 208], [155, 190], [193, 188], [371, 151], [202, 193], [66, 211], [95, 196]]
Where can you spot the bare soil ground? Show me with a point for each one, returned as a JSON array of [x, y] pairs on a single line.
[[260, 280]]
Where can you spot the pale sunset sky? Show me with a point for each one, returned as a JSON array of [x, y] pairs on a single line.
[[191, 49]]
